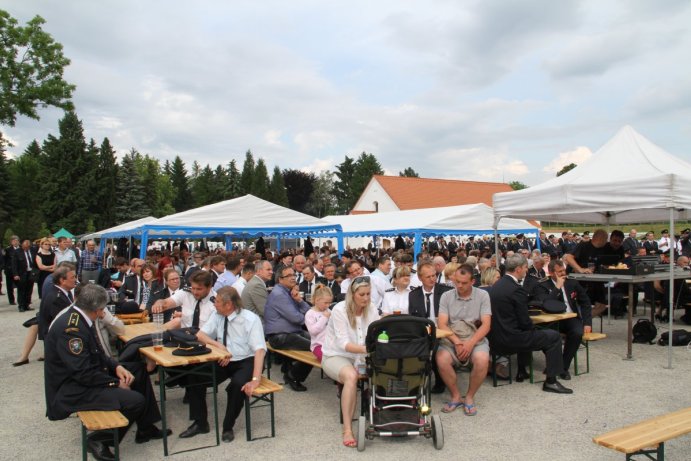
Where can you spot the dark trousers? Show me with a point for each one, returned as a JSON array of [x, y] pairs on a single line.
[[239, 373], [547, 341], [297, 341], [137, 404], [573, 329], [9, 286], [24, 288]]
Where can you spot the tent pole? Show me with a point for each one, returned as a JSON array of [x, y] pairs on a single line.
[[670, 311], [417, 247], [144, 244], [609, 284], [339, 243], [496, 243]]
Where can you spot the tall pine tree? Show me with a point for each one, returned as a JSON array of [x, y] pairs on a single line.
[[247, 175], [107, 177], [343, 187], [260, 182], [23, 172], [182, 200], [232, 189], [6, 196], [69, 183], [131, 199], [277, 189]]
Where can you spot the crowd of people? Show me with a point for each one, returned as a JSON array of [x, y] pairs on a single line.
[[310, 299]]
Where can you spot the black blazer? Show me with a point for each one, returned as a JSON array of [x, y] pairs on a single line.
[[335, 289], [51, 305], [19, 264], [512, 328], [578, 297], [303, 285], [130, 288], [416, 300]]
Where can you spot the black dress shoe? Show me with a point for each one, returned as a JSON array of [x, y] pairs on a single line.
[[556, 387], [438, 388], [22, 309], [294, 385], [566, 376], [228, 436], [20, 363], [100, 451], [152, 433], [195, 429], [522, 376], [29, 308]]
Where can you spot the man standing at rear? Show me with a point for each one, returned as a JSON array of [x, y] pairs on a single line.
[[90, 263]]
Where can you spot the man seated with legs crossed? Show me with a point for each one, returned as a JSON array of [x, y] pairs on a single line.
[[240, 332], [513, 330], [466, 311]]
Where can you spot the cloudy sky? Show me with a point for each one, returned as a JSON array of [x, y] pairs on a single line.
[[484, 90]]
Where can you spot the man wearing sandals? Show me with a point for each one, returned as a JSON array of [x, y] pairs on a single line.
[[471, 307]]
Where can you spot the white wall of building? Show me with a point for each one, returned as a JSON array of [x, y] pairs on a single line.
[[374, 192]]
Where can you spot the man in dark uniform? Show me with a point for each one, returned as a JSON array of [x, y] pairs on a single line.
[[79, 376], [513, 330], [23, 261], [571, 293]]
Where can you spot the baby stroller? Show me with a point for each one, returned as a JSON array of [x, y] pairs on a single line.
[[399, 373]]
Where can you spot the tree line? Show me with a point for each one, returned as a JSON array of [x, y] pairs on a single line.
[[68, 182]]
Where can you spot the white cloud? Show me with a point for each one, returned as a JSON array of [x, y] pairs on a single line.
[[318, 165], [481, 164], [577, 156]]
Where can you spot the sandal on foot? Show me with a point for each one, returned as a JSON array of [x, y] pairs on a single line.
[[451, 406], [469, 409]]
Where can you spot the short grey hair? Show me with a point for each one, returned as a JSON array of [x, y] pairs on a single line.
[[91, 297], [259, 264], [515, 261]]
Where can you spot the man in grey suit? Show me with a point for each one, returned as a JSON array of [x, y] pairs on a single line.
[[255, 293]]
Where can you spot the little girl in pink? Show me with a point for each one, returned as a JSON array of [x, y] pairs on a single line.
[[317, 318]]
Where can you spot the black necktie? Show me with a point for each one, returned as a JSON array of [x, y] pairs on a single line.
[[427, 304], [225, 330], [439, 278], [69, 296], [28, 260], [195, 317], [331, 284]]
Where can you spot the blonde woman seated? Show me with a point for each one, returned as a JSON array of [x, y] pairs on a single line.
[[396, 298], [449, 271], [344, 346]]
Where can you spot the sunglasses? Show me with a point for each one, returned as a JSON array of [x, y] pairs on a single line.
[[362, 279]]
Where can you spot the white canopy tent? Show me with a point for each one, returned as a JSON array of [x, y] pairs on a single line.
[[628, 180], [242, 217], [463, 219], [120, 228]]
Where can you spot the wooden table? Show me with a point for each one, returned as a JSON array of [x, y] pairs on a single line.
[[549, 318], [631, 280], [173, 367], [137, 329]]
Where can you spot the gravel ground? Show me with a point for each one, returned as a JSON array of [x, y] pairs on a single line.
[[517, 422]]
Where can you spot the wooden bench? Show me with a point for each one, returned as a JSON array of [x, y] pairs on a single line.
[[648, 437], [585, 341], [102, 421], [262, 396], [133, 319], [301, 356]]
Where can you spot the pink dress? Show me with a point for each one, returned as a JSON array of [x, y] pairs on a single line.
[[316, 322]]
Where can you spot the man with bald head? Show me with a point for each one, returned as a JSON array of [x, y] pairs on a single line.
[[439, 264], [299, 262]]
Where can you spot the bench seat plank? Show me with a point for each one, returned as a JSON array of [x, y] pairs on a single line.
[[102, 420], [301, 356], [592, 336], [648, 433], [266, 386]]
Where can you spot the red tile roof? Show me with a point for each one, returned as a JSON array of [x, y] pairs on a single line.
[[415, 193]]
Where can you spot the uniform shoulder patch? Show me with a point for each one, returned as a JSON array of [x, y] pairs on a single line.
[[187, 289], [73, 320], [76, 346], [71, 330], [415, 288], [390, 289]]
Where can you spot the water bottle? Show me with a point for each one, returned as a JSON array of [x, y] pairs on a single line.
[[383, 337]]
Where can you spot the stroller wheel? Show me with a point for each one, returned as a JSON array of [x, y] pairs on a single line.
[[437, 432], [361, 429]]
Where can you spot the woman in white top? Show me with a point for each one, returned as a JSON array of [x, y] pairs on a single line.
[[344, 346], [396, 300]]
